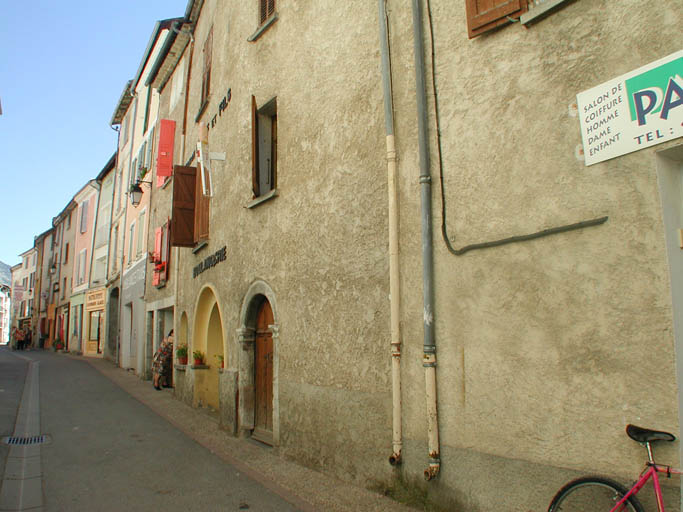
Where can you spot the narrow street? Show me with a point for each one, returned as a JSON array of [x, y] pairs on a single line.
[[105, 449]]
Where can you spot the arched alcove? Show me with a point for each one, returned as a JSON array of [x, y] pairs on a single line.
[[207, 337]]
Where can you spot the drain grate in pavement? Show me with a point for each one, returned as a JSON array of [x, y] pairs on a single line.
[[23, 441]]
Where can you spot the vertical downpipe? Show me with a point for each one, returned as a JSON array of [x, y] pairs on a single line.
[[394, 283], [429, 358]]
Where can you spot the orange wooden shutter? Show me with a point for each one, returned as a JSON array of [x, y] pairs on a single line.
[[182, 216], [165, 156], [254, 148], [158, 233], [484, 15], [166, 249]]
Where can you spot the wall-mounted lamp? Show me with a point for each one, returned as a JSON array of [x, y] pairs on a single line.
[[136, 192]]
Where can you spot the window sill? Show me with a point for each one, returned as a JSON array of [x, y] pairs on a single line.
[[539, 10], [262, 199], [180, 367], [200, 366], [200, 246], [202, 109], [266, 24]]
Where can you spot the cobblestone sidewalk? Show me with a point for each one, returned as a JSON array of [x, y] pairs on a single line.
[[303, 487]]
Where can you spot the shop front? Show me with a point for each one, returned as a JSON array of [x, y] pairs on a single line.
[[94, 322]]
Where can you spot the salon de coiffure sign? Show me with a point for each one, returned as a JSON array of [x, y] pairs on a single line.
[[635, 111]]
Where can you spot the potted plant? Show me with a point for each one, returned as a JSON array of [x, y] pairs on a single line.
[[221, 360], [58, 345], [181, 352], [198, 357]]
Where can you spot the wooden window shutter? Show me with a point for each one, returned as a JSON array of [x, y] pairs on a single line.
[[485, 15], [165, 156], [166, 249], [158, 233], [254, 148], [266, 9], [201, 218], [263, 9], [183, 208]]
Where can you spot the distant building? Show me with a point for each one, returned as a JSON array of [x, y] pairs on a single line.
[[5, 301], [23, 285]]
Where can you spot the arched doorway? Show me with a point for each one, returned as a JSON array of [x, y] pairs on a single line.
[[259, 365], [263, 373]]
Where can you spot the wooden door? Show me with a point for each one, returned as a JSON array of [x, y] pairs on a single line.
[[263, 375]]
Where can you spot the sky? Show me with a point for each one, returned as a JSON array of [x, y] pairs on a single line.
[[63, 67]]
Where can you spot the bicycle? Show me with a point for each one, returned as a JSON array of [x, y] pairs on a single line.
[[598, 494]]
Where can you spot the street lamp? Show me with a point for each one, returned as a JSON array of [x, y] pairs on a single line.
[[136, 192]]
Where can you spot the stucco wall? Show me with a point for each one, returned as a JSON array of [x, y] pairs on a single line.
[[546, 349]]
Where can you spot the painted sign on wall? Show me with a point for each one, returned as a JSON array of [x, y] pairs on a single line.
[[635, 111]]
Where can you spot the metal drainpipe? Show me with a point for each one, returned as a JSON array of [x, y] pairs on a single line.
[[429, 358], [394, 282]]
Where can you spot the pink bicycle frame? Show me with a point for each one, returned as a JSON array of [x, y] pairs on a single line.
[[650, 471]]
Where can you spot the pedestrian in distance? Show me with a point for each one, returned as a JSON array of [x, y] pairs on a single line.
[[161, 362], [20, 338]]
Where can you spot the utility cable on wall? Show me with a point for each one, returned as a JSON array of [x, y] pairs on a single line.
[[444, 231]]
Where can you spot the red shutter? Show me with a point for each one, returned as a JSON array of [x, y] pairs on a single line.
[[254, 148], [165, 156], [484, 15], [166, 249], [182, 216], [156, 278], [158, 233]]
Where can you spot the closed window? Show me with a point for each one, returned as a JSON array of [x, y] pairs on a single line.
[[206, 75], [141, 232], [84, 216], [131, 241], [264, 147], [81, 266]]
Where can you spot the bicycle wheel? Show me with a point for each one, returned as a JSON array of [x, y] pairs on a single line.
[[593, 494]]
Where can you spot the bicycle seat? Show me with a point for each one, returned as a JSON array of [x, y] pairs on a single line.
[[645, 435]]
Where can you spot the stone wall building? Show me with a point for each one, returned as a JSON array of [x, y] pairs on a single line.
[[540, 280], [65, 225]]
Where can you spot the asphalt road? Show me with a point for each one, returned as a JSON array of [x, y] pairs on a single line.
[[106, 451]]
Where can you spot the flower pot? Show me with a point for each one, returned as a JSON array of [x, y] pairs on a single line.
[[198, 362], [182, 359]]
